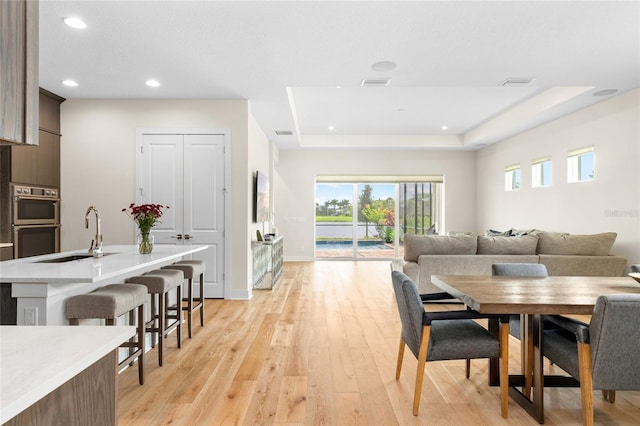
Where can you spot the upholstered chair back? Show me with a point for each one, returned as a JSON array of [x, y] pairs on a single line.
[[614, 334], [410, 309], [519, 269]]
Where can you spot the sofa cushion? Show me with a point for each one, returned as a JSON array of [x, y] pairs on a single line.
[[578, 245], [525, 244], [586, 266], [468, 264], [418, 245]]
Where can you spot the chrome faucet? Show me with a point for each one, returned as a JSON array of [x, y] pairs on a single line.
[[96, 243]]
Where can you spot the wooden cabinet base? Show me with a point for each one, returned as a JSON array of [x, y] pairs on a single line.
[[87, 399]]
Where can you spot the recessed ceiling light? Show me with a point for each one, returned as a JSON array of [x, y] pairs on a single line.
[[384, 66], [444, 127], [152, 83], [605, 92], [338, 87], [70, 83], [332, 128], [75, 23]]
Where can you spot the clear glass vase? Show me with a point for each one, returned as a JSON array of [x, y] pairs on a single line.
[[145, 242]]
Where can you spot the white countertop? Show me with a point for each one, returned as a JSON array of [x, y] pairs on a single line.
[[36, 360], [117, 260]]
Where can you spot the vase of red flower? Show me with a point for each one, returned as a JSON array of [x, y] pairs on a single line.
[[146, 217], [145, 242]]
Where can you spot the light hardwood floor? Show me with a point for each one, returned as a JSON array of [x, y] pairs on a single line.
[[320, 349]]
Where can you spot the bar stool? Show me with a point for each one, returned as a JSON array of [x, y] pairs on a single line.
[[191, 269], [159, 283], [108, 303]]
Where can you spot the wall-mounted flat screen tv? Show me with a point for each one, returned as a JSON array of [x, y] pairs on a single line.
[[261, 198]]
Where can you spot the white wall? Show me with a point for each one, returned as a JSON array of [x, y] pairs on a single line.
[[610, 202], [98, 166], [295, 184], [259, 159]]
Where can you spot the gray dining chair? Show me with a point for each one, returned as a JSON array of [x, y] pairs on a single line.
[[521, 270], [518, 270], [603, 355], [433, 336]]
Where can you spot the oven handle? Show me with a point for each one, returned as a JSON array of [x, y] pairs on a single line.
[[36, 197], [52, 225]]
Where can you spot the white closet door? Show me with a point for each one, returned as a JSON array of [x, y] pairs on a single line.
[[162, 174], [204, 205], [186, 173]]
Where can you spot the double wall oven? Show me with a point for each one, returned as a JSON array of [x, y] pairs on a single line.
[[35, 216]]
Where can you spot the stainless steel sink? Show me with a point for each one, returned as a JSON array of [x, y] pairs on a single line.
[[69, 258]]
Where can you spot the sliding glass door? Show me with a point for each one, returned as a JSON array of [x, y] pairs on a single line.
[[368, 220], [334, 220], [376, 220]]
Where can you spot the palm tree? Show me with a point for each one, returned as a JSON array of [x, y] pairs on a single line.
[[334, 203], [344, 204]]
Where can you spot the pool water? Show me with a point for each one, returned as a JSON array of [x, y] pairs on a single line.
[[348, 245]]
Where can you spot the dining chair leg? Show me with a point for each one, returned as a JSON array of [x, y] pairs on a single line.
[[504, 370], [422, 359], [400, 357], [586, 385], [468, 368]]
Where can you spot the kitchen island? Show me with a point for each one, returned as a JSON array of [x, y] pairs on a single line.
[[59, 375], [42, 284]]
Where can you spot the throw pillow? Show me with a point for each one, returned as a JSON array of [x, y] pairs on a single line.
[[494, 233], [520, 232]]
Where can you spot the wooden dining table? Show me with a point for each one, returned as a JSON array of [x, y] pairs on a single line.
[[532, 297]]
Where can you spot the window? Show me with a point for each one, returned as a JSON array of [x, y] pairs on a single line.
[[541, 172], [512, 178], [580, 165]]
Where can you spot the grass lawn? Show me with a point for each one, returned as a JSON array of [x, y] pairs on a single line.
[[348, 219]]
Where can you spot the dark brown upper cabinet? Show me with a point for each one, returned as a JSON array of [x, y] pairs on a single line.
[[40, 165], [19, 72]]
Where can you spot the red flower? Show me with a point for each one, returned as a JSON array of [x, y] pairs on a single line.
[[146, 215]]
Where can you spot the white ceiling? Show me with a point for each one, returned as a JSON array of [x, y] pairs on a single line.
[[287, 58]]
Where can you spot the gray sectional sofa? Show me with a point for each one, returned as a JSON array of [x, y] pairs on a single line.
[[472, 254]]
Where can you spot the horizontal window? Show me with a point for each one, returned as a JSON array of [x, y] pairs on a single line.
[[581, 165], [512, 178], [541, 172]]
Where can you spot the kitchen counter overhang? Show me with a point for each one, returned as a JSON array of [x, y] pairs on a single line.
[[42, 366]]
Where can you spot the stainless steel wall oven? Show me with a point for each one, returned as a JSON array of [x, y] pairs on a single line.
[[35, 217]]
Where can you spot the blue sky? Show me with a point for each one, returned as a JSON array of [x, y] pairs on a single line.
[[341, 191]]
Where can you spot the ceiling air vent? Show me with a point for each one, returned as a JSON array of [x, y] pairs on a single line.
[[377, 82], [284, 132], [517, 81]]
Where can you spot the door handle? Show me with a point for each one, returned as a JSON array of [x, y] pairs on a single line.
[[179, 236], [188, 237]]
